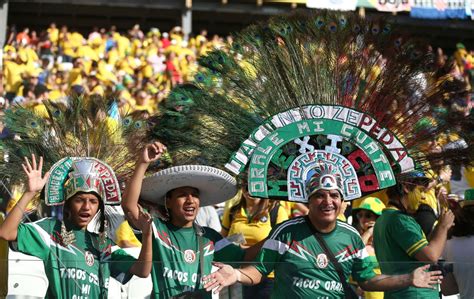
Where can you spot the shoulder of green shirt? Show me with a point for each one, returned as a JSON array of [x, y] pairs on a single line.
[[348, 228]]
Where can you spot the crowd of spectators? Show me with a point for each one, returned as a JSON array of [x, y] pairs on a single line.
[[136, 68]]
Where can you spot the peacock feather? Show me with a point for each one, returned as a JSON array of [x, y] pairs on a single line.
[[79, 127], [291, 63]]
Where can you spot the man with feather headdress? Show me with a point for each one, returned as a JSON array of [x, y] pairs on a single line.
[[73, 139], [307, 96]]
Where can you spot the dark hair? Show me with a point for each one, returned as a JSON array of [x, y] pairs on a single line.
[[464, 222], [161, 209], [395, 195]]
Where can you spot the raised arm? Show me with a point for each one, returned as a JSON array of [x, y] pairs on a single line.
[[9, 228], [142, 267], [150, 153], [432, 252]]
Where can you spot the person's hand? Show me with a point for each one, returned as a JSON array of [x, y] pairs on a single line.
[[33, 172], [445, 174], [142, 222], [421, 278], [152, 152], [368, 232], [443, 195], [225, 276], [446, 220], [369, 226]]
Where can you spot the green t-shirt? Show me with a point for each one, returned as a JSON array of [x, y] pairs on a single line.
[[80, 270], [176, 267], [302, 269], [397, 238]]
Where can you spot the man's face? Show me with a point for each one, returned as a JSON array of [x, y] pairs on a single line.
[[183, 204], [83, 208], [325, 205]]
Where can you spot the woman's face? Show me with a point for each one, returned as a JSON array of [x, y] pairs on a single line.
[[82, 208], [366, 219]]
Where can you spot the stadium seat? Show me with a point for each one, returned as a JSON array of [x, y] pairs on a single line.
[[26, 276], [138, 288]]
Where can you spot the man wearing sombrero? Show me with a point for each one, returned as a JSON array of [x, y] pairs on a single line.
[[182, 250], [314, 109]]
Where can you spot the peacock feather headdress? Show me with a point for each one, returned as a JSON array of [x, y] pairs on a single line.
[[77, 138], [296, 91]]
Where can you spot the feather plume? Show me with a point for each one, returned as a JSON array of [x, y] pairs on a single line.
[[328, 58], [80, 127]]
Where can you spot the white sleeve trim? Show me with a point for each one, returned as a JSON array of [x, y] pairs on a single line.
[[276, 245], [221, 244]]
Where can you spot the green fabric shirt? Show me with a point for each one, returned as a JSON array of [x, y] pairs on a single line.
[[80, 270], [302, 269], [176, 266], [397, 238]]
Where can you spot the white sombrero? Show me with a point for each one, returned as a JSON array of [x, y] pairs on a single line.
[[214, 185]]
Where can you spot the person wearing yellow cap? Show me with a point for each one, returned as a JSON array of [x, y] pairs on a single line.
[[366, 214]]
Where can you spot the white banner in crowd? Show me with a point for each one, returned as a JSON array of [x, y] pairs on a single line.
[[392, 5], [332, 4], [440, 9]]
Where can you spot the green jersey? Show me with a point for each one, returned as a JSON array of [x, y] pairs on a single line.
[[80, 270], [176, 258], [397, 238], [302, 268]]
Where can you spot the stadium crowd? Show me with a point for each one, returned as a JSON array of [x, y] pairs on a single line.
[[136, 68], [139, 69]]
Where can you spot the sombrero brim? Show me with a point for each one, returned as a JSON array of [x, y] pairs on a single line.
[[214, 185]]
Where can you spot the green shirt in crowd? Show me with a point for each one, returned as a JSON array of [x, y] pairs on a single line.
[[397, 239], [80, 270], [176, 266], [302, 268]]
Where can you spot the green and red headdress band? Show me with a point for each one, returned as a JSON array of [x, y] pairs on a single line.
[[322, 139], [71, 175]]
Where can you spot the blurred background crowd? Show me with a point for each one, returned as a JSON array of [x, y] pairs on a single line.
[[137, 68]]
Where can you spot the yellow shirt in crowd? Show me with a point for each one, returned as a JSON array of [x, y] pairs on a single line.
[[253, 231], [12, 74]]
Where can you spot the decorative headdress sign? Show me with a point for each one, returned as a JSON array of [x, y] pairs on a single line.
[[81, 174], [282, 150], [321, 170]]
